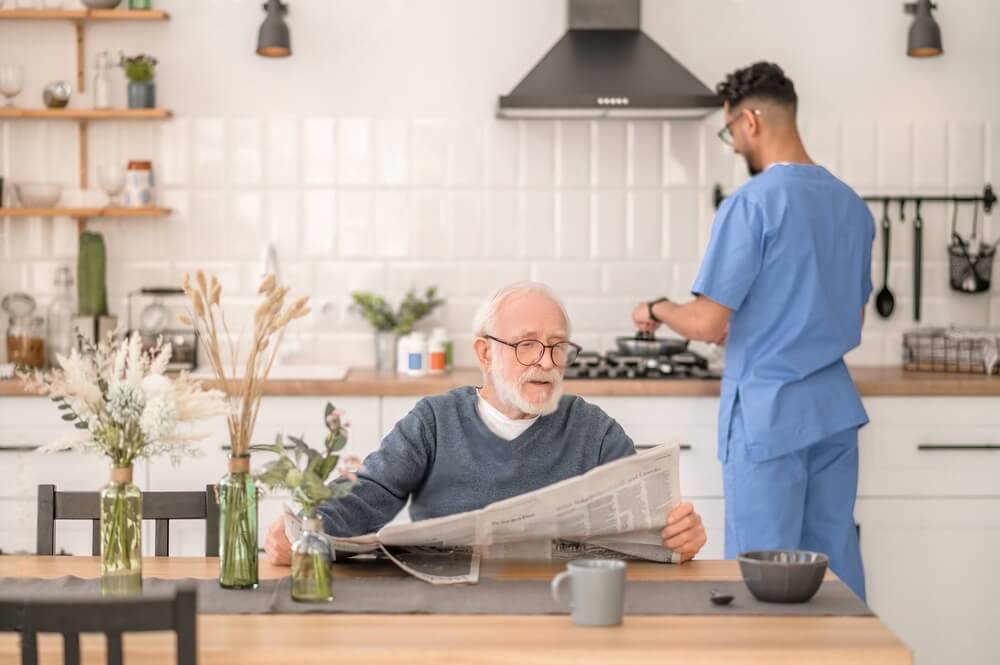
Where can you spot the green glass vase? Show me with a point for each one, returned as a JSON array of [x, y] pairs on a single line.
[[121, 535], [238, 526], [311, 565]]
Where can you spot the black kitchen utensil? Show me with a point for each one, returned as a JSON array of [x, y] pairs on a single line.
[[970, 262], [918, 259], [719, 598], [646, 344], [885, 302]]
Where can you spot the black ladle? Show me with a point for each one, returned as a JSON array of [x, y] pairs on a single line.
[[885, 302], [918, 259]]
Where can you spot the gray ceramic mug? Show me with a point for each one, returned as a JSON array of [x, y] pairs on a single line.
[[597, 591]]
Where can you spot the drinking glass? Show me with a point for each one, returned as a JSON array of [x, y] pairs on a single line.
[[11, 82], [112, 179]]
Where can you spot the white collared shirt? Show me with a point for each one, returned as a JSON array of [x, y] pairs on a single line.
[[504, 427]]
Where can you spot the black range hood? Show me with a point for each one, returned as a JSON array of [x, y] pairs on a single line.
[[605, 66]]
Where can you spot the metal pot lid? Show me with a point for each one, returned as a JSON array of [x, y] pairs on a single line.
[[18, 305]]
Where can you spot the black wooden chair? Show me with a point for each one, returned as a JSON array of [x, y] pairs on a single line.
[[159, 506], [111, 616]]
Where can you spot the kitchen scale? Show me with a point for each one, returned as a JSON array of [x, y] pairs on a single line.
[[157, 320]]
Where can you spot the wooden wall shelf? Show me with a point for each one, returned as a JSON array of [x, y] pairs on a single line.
[[84, 213], [83, 15], [16, 113]]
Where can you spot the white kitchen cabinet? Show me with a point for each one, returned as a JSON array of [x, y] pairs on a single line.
[[931, 575]]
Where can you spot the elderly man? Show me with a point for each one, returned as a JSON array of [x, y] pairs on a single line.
[[469, 447]]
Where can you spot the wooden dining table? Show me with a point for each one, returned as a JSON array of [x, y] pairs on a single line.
[[370, 639]]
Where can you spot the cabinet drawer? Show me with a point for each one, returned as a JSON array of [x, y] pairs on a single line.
[[929, 460]]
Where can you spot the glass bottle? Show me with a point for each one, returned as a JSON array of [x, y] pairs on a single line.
[[102, 81], [238, 526], [121, 535], [61, 311], [311, 565]]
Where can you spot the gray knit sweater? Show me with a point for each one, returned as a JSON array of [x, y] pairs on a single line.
[[444, 460]]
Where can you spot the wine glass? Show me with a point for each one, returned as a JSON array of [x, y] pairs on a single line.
[[11, 82], [112, 179]]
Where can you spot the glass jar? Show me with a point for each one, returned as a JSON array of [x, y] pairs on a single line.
[[238, 526], [26, 341], [139, 184], [62, 309], [312, 559], [121, 535]]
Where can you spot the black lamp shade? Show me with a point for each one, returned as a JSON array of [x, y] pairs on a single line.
[[924, 40], [274, 39]]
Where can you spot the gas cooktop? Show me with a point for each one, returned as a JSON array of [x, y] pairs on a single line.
[[612, 365]]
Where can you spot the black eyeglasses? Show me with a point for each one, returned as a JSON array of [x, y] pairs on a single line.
[[530, 351], [726, 133]]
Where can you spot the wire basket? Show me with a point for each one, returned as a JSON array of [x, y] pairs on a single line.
[[952, 350]]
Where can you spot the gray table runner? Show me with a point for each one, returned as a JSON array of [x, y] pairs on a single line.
[[407, 595]]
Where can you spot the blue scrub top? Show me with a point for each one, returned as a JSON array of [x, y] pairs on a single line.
[[790, 254]]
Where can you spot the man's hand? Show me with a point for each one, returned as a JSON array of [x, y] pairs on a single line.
[[684, 533], [277, 547], [640, 316]]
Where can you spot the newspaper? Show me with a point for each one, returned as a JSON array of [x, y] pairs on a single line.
[[617, 510]]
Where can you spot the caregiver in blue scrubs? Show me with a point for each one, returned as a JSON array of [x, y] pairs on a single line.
[[784, 282]]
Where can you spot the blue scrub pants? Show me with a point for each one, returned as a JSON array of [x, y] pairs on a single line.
[[802, 500]]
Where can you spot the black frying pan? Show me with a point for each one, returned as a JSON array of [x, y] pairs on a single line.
[[646, 344]]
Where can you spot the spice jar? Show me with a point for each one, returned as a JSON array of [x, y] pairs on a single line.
[[25, 333], [139, 184]]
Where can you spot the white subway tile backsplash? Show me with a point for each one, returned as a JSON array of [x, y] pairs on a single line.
[[392, 154], [569, 279], [895, 155], [610, 158], [573, 224], [282, 151], [538, 141], [467, 154], [645, 160], [683, 279], [600, 314], [429, 157], [822, 140], [502, 149], [283, 209], [502, 225], [207, 231], [354, 141], [465, 212], [355, 224], [967, 156], [209, 151], [338, 279], [858, 154], [319, 223], [479, 279], [538, 224], [246, 224], [930, 162], [681, 236], [993, 152], [573, 153], [681, 152], [246, 138], [319, 148], [65, 237], [636, 280], [420, 275], [392, 227], [173, 162], [645, 225], [608, 224], [432, 237]]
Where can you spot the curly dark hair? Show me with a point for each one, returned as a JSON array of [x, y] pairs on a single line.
[[761, 80]]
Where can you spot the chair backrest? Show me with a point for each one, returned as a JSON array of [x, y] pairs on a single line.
[[111, 616], [159, 506]]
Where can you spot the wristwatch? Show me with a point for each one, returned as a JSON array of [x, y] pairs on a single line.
[[650, 306]]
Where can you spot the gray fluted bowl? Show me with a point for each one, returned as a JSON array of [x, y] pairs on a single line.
[[101, 4], [783, 576]]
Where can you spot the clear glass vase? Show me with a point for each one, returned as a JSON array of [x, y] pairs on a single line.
[[238, 526], [385, 352], [121, 535], [312, 575]]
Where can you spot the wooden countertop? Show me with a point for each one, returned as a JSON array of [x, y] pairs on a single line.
[[871, 382], [481, 639]]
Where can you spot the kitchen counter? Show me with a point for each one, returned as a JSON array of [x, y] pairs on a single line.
[[871, 382]]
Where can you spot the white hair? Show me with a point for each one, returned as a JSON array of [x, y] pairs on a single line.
[[485, 322]]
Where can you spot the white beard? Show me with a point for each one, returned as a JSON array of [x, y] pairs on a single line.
[[511, 394]]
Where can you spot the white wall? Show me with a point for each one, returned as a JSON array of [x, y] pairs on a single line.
[[374, 158]]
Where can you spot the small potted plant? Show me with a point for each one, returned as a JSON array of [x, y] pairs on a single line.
[[389, 324], [304, 473], [140, 70]]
